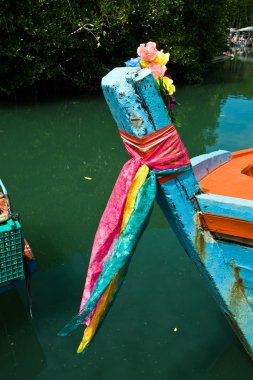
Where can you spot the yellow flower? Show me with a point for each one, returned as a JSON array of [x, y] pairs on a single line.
[[167, 82], [162, 58], [172, 89], [144, 64]]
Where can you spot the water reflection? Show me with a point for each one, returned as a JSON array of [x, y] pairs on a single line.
[[244, 54], [218, 115], [232, 78], [198, 113], [21, 353], [235, 130]]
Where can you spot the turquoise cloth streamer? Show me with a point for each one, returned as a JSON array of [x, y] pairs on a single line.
[[121, 252]]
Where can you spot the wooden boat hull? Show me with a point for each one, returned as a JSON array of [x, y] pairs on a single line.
[[226, 265], [224, 259]]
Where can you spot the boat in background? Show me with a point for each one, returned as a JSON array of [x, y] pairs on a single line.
[[16, 258], [240, 38]]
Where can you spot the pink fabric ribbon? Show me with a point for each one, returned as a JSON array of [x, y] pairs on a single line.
[[164, 151]]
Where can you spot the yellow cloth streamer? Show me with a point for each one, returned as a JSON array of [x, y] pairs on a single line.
[[139, 179], [90, 330]]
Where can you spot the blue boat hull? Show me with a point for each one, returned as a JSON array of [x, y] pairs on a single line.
[[132, 95], [227, 267]]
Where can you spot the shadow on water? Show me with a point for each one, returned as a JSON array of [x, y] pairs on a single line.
[[21, 353], [59, 162]]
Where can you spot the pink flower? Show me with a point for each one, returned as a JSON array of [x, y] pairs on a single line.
[[157, 69], [148, 52]]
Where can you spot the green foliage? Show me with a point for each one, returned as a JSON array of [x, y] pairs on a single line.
[[77, 41], [242, 14], [38, 44]]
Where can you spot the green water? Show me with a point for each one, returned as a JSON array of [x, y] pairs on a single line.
[[164, 324]]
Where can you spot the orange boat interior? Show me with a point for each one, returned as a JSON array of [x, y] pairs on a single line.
[[232, 179]]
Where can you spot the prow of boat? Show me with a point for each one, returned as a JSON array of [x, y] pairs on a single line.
[[209, 204]]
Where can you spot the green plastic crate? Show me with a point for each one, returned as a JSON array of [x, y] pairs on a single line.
[[11, 251]]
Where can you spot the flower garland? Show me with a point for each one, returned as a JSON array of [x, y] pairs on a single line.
[[151, 58]]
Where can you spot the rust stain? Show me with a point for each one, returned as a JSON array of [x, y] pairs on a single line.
[[238, 290], [136, 121], [199, 240]]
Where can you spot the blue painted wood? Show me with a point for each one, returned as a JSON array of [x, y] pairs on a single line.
[[178, 203], [241, 258], [179, 199], [133, 114], [204, 164], [226, 206], [147, 89]]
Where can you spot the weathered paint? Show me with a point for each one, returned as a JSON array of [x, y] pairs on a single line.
[[205, 163], [180, 209], [199, 240], [241, 257], [178, 199], [238, 289], [122, 89], [227, 206]]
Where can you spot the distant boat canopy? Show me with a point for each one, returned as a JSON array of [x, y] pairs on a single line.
[[247, 29]]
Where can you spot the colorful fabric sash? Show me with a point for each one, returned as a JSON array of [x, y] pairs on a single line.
[[159, 155]]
